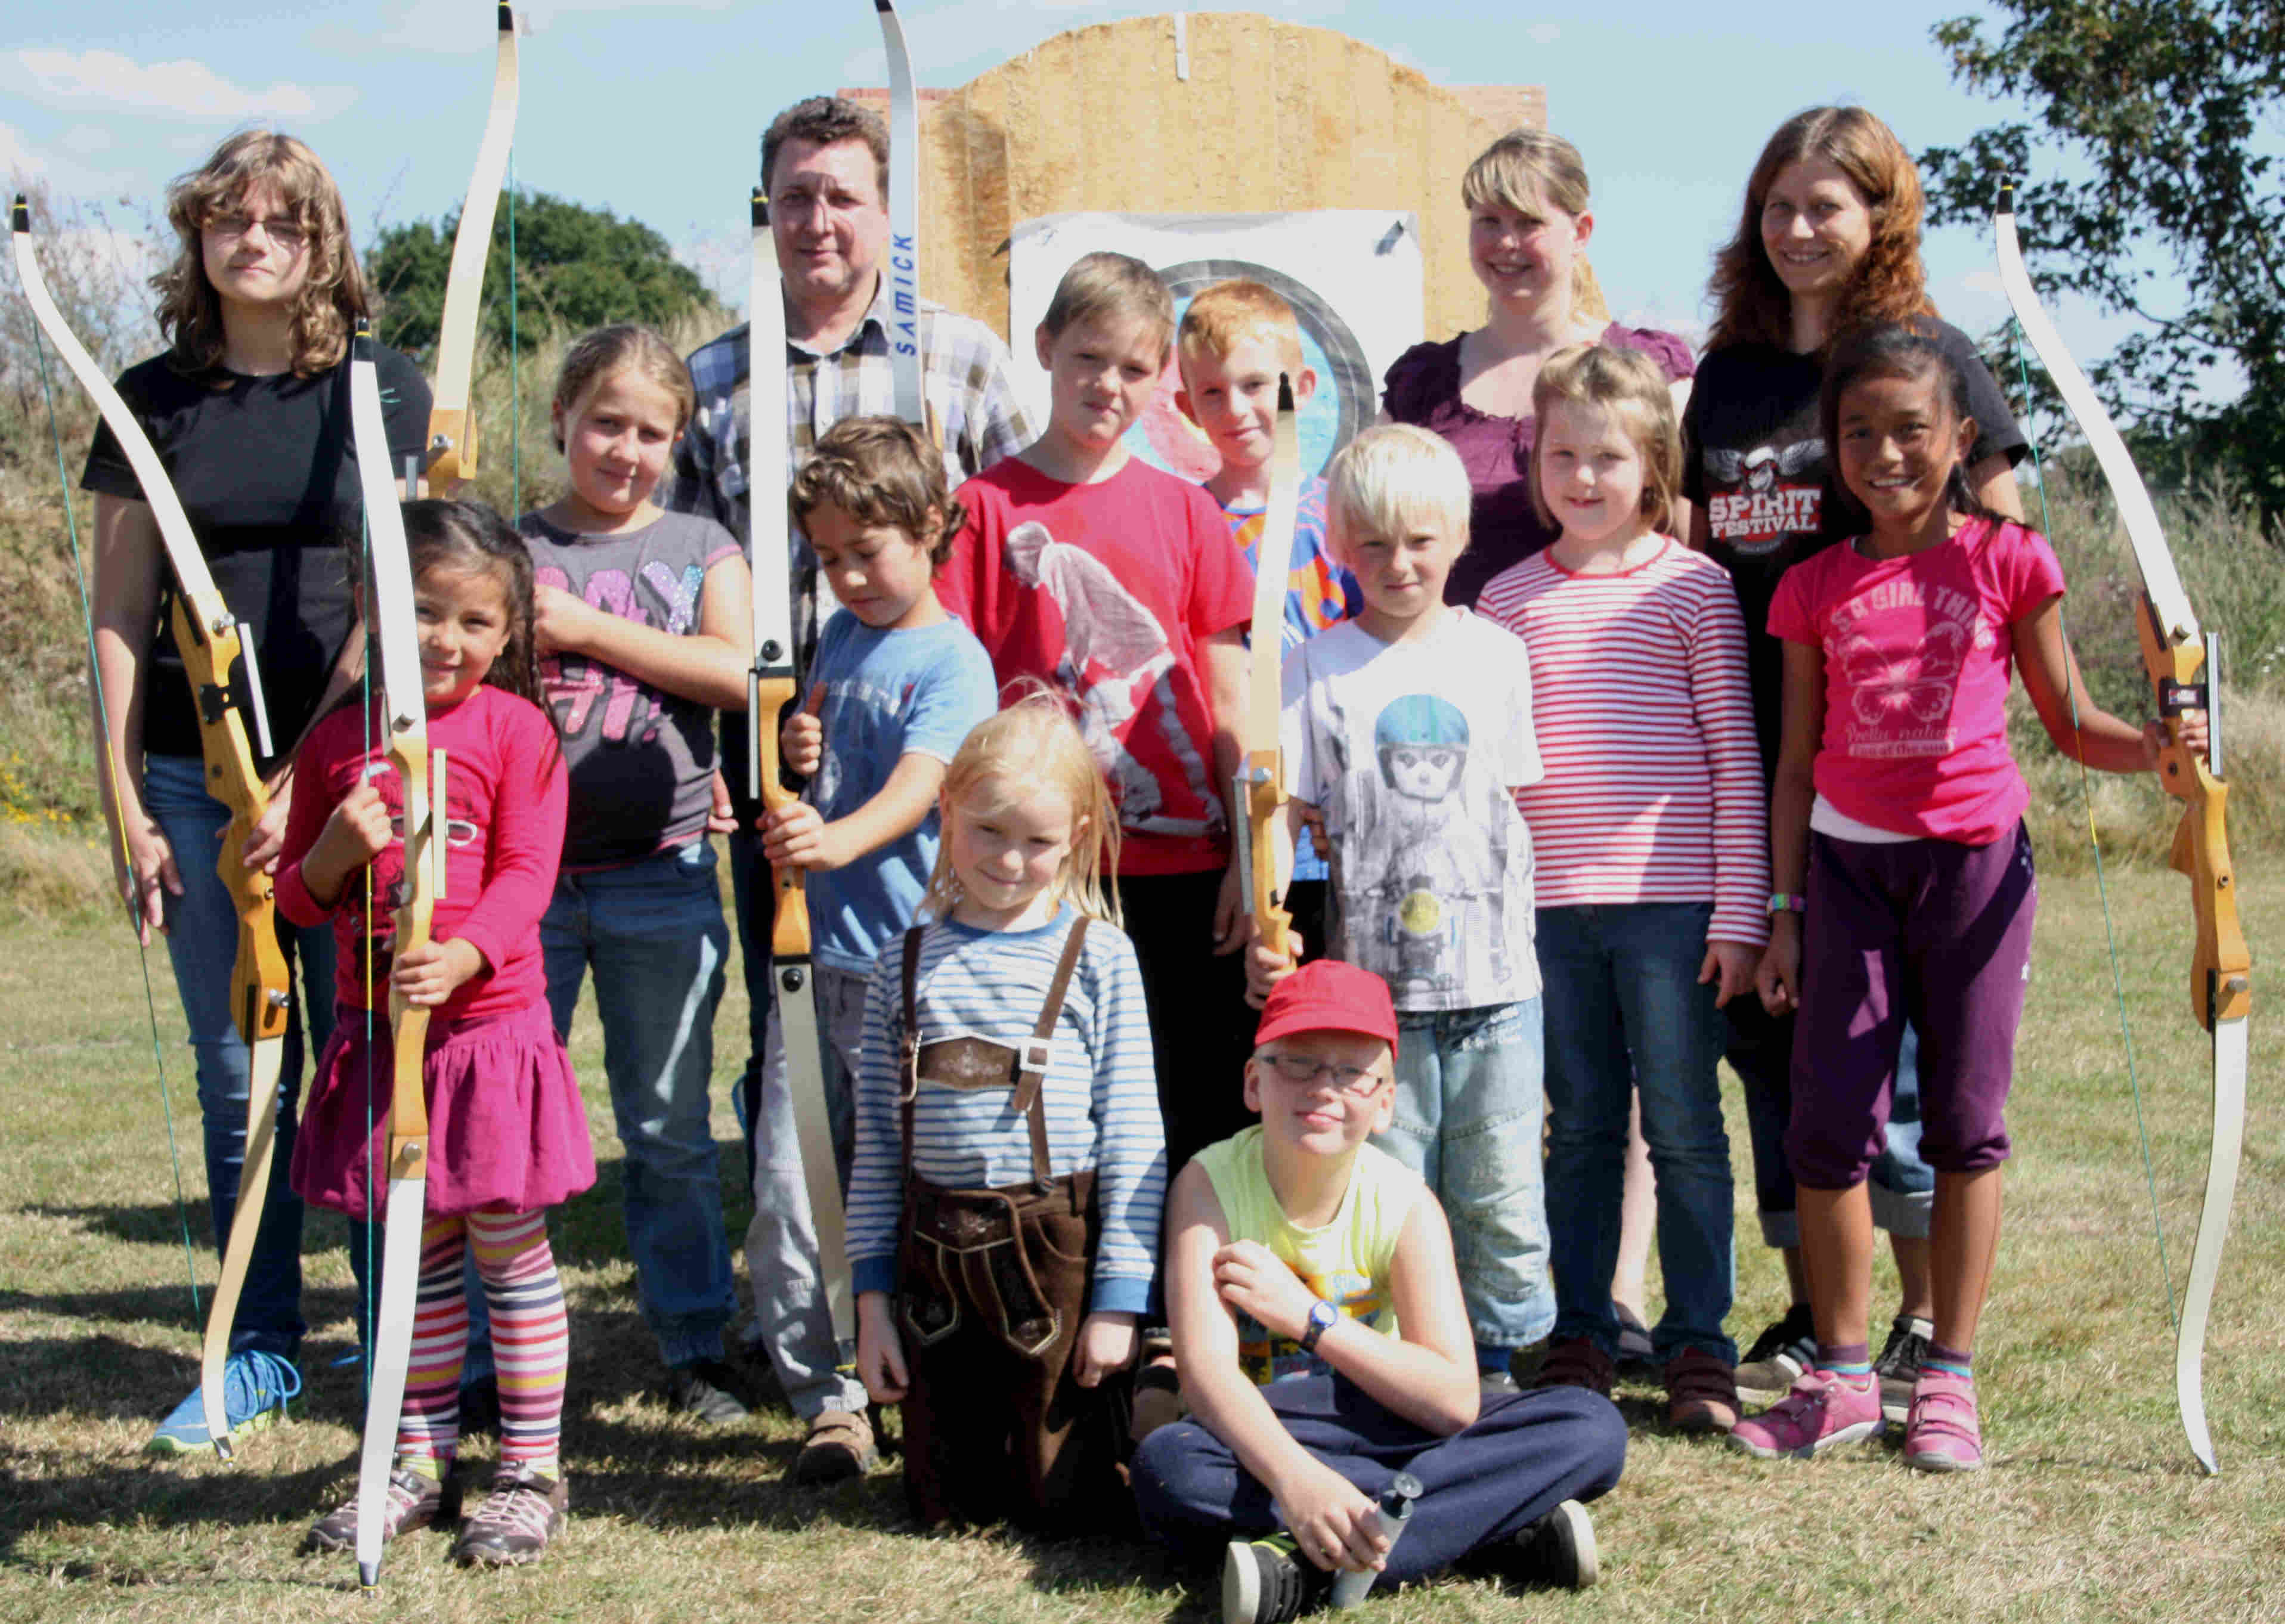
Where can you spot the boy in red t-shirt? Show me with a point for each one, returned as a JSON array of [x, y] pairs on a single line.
[[1116, 585]]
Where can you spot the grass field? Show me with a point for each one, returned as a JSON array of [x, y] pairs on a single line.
[[2091, 1510]]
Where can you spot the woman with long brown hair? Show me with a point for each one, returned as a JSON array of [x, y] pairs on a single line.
[[248, 409], [1828, 242]]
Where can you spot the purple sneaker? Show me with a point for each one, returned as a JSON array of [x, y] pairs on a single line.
[[1944, 1432], [1822, 1410]]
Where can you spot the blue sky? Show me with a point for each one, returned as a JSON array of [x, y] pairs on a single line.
[[653, 108]]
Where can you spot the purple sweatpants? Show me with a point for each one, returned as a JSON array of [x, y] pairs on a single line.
[[1925, 930]]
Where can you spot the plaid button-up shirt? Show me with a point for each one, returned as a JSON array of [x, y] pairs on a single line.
[[967, 380]]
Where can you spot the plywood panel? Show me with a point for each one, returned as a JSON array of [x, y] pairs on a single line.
[[1272, 116]]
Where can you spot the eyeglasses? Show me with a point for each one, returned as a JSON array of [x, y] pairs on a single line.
[[282, 230], [1301, 1068]]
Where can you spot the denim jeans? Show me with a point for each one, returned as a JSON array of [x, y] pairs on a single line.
[[1626, 1015], [1902, 1186], [202, 946], [1469, 1108], [654, 934], [790, 1317]]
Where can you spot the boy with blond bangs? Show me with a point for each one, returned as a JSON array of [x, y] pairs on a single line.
[[1408, 731], [1317, 1320], [1236, 340], [1115, 584]]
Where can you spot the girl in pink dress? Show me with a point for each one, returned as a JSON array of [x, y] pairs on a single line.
[[507, 1134]]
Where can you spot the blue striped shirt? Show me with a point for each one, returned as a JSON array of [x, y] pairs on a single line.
[[1101, 1093]]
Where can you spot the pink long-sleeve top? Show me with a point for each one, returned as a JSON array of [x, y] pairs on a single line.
[[502, 821], [1653, 788]]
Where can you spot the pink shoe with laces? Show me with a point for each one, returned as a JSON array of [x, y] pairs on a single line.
[[1944, 1432], [1822, 1409]]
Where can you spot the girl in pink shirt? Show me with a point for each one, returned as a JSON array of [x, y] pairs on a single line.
[[508, 1133], [1898, 809]]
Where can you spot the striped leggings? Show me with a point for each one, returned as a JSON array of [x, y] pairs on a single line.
[[530, 1336]]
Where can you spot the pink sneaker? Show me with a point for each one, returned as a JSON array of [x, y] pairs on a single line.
[[1944, 1432], [1822, 1410]]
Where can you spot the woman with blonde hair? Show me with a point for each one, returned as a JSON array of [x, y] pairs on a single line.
[[1828, 242], [1529, 222], [248, 408]]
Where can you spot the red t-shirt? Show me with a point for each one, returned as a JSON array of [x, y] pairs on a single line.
[[502, 820], [1919, 652], [1103, 591]]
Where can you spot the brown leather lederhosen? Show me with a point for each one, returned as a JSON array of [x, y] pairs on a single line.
[[992, 1287]]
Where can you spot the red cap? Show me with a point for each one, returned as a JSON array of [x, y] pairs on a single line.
[[1329, 996]]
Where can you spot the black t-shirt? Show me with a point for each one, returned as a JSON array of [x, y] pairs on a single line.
[[1753, 462], [266, 468]]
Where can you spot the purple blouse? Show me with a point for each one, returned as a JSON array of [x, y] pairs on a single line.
[[1423, 388]]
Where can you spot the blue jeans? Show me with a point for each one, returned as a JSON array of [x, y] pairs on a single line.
[[654, 934], [1902, 1186], [1626, 1015], [202, 946], [1469, 1108]]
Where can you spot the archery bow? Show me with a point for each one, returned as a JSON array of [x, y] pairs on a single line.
[[450, 461], [404, 716], [2182, 661], [1265, 847], [904, 262], [771, 685], [451, 428], [219, 661]]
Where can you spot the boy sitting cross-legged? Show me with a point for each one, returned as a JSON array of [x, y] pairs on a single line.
[[1300, 1257]]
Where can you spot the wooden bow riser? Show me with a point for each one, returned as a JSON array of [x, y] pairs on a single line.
[[2221, 967]]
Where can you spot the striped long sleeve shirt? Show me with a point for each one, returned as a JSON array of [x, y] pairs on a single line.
[[1101, 1093], [1653, 791]]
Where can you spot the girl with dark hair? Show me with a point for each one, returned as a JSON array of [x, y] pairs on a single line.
[[509, 1134], [1827, 242], [248, 408], [1897, 813]]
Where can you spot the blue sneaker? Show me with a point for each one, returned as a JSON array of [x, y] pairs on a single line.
[[256, 1388]]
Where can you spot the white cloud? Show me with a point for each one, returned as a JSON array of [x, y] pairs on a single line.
[[1543, 32], [107, 80]]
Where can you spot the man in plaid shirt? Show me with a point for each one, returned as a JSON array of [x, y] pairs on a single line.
[[825, 163]]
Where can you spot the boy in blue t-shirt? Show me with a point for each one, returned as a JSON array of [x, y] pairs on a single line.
[[1236, 337], [896, 686]]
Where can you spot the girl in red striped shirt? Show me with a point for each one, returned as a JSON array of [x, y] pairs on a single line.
[[1653, 872]]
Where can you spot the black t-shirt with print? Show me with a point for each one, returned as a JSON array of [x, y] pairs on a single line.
[[266, 469], [1753, 462]]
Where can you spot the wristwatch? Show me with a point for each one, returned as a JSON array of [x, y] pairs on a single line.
[[1322, 1315]]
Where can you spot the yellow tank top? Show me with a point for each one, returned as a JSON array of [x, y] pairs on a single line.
[[1345, 1261]]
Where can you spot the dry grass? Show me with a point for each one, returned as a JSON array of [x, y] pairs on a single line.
[[2091, 1510]]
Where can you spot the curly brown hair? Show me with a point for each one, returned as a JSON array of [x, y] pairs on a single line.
[[333, 298], [1887, 284], [879, 471]]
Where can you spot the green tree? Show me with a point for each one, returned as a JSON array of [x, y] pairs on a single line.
[[575, 267], [2168, 105]]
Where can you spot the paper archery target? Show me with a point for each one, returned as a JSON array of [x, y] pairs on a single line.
[[1353, 277], [1348, 396]]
